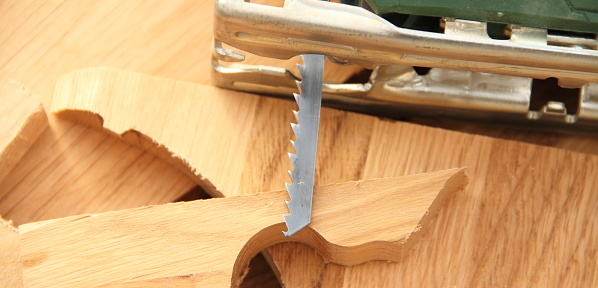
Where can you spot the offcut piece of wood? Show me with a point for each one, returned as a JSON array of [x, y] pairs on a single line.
[[40, 41], [10, 260], [59, 168], [189, 123], [73, 169], [23, 120], [528, 217], [52, 168], [212, 241]]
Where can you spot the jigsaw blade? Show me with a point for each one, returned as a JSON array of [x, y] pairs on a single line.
[[309, 101]]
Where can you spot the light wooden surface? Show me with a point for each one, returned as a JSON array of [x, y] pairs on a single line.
[[528, 217], [10, 260], [73, 169], [23, 120], [212, 241], [206, 130], [41, 40]]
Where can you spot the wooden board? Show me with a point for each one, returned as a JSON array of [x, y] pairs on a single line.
[[210, 242], [528, 215], [73, 169]]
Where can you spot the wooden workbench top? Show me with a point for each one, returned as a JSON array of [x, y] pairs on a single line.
[[40, 41]]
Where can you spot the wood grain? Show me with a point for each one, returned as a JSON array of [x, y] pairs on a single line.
[[23, 120], [528, 217], [41, 40], [73, 169], [10, 259], [352, 223]]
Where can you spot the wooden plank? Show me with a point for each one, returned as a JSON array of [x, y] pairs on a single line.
[[528, 216], [212, 241], [41, 40]]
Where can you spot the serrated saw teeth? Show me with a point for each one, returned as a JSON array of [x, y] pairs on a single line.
[[296, 117], [295, 128], [309, 101], [296, 97]]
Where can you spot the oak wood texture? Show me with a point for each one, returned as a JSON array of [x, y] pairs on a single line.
[[73, 169], [41, 40], [212, 241], [528, 217], [23, 120]]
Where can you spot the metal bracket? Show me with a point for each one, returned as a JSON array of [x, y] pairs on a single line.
[[458, 86]]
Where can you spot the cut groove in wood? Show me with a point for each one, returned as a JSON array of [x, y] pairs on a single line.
[[215, 239], [174, 135]]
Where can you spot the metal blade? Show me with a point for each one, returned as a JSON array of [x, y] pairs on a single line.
[[306, 131]]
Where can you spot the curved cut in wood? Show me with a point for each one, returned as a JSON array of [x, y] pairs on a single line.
[[210, 242], [166, 117], [23, 120]]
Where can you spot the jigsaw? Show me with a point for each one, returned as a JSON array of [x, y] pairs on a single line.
[[530, 63]]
